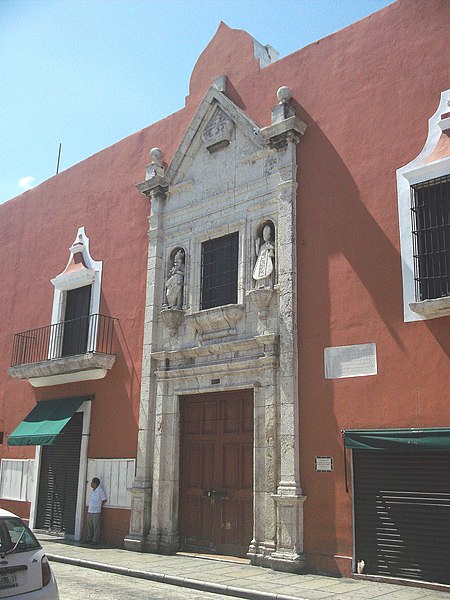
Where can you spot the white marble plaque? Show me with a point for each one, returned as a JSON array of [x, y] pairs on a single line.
[[324, 463], [350, 361]]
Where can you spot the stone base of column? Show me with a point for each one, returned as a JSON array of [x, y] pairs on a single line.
[[134, 544], [288, 555], [259, 553], [141, 495], [288, 562], [160, 542]]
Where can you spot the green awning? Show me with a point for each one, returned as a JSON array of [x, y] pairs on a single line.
[[45, 422], [434, 438]]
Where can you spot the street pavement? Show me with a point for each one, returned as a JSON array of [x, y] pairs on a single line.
[[226, 577], [78, 583]]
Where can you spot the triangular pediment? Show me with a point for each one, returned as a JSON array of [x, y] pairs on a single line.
[[214, 125]]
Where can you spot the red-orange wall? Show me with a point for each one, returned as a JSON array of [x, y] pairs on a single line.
[[366, 94]]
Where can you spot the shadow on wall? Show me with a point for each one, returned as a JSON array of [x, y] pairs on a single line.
[[340, 249]]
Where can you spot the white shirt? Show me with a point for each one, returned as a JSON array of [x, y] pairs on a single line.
[[96, 499]]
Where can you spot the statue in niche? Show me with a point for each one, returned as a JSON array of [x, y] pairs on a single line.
[[175, 282], [263, 271]]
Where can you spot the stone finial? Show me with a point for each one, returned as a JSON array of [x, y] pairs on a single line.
[[78, 244], [283, 110], [220, 83], [284, 94], [157, 156], [156, 167]]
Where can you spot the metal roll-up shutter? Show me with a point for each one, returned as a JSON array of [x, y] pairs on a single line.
[[58, 481], [402, 514]]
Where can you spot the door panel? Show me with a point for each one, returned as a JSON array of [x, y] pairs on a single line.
[[216, 472], [76, 327]]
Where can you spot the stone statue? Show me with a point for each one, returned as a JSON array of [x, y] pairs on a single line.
[[263, 271], [175, 282]]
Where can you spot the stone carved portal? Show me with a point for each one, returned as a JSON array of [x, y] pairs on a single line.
[[223, 350]]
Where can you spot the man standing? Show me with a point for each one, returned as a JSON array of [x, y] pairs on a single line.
[[96, 501]]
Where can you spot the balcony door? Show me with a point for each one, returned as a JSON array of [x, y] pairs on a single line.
[[76, 322]]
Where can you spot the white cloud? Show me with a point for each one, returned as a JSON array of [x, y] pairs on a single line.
[[26, 183]]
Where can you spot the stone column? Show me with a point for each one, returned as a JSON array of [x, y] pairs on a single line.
[[163, 534], [266, 466], [155, 188], [284, 133]]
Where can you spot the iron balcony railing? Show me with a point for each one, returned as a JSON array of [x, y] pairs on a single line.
[[93, 333]]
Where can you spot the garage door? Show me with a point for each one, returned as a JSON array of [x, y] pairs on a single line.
[[402, 513], [58, 480]]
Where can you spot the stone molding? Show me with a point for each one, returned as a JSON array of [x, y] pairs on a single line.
[[432, 309], [281, 133], [81, 367], [267, 342], [262, 297], [214, 323], [172, 318]]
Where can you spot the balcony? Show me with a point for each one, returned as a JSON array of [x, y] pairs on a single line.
[[76, 350]]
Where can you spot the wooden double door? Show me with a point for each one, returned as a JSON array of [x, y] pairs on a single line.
[[216, 472]]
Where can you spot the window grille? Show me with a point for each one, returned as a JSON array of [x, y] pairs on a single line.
[[430, 210], [220, 271]]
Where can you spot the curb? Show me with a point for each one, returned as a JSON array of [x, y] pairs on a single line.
[[217, 588]]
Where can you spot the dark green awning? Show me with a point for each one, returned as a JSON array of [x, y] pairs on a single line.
[[397, 439], [45, 422]]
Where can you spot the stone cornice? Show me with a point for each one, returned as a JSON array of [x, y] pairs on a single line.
[[264, 342]]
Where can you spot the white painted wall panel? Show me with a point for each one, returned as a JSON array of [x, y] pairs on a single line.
[[116, 476], [16, 479]]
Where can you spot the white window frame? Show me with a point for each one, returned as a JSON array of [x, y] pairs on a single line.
[[418, 172], [70, 280]]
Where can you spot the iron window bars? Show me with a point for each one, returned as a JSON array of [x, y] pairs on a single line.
[[219, 271], [430, 211]]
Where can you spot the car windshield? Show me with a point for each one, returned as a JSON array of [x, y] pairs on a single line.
[[13, 531]]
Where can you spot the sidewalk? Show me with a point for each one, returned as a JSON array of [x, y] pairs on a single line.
[[227, 577]]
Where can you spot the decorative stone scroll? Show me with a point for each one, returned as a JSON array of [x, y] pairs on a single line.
[[217, 134]]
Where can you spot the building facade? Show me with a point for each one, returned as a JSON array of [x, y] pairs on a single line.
[[285, 393], [73, 262]]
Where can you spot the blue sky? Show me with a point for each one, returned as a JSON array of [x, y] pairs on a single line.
[[87, 73]]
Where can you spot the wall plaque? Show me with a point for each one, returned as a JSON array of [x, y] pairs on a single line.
[[324, 463], [350, 361]]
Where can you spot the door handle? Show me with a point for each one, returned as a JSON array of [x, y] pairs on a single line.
[[215, 493]]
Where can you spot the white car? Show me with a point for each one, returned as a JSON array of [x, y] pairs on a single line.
[[25, 572]]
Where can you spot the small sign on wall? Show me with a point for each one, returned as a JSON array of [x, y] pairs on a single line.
[[324, 464], [359, 360]]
